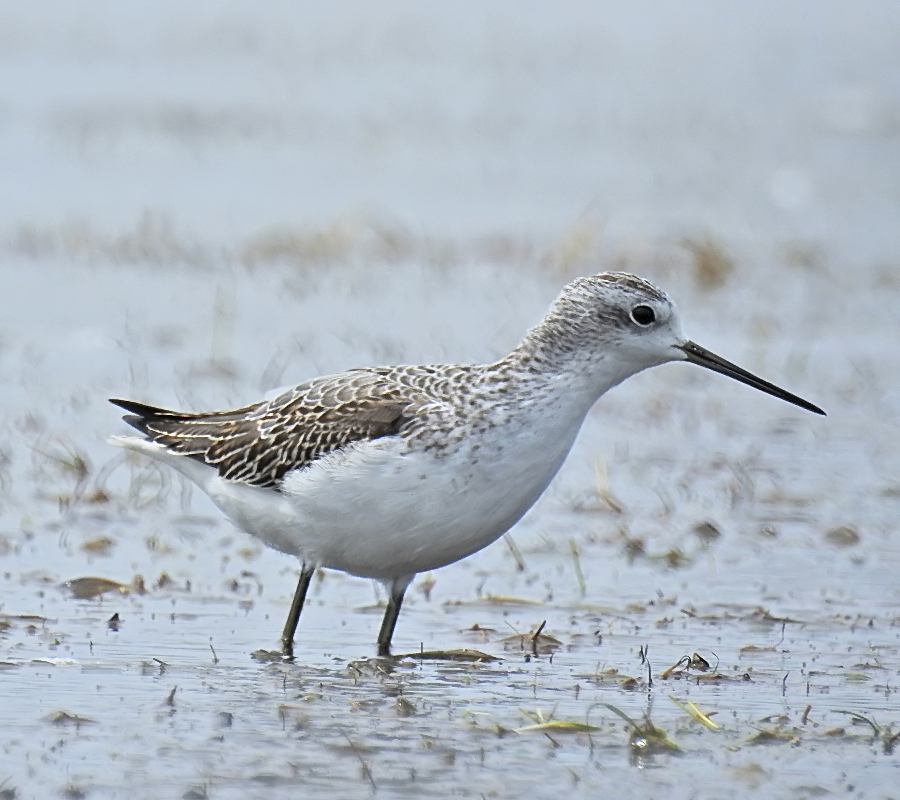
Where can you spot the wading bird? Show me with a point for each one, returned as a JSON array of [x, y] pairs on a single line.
[[385, 472]]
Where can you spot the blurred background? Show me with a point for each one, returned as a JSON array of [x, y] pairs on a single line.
[[763, 126], [203, 202]]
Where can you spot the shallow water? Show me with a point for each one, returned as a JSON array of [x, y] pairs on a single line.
[[213, 203]]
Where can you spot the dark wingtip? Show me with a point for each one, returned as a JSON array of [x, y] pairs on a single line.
[[132, 406], [140, 412], [141, 409]]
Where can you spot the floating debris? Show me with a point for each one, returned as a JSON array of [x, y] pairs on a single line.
[[699, 663], [101, 545], [535, 642], [679, 667], [464, 654], [706, 532], [773, 736], [695, 713], [885, 735], [268, 656], [405, 708], [843, 536], [481, 629], [695, 662], [544, 724], [494, 600], [757, 648], [562, 725], [89, 588], [645, 739], [65, 718], [757, 614]]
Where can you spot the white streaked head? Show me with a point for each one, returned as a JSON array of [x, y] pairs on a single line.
[[607, 319], [614, 325]]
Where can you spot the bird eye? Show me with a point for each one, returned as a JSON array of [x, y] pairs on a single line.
[[643, 315]]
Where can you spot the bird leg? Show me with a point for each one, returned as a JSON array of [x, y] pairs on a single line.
[[287, 636], [395, 600]]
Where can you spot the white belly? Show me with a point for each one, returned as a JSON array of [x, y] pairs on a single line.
[[377, 510]]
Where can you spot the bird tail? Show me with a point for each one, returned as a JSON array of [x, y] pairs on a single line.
[[141, 413]]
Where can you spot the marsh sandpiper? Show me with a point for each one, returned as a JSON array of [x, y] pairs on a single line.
[[386, 472]]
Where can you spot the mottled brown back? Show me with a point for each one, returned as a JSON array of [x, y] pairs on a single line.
[[260, 443]]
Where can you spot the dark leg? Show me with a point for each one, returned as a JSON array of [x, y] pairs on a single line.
[[287, 636], [395, 600]]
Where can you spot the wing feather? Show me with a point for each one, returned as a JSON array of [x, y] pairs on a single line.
[[260, 443]]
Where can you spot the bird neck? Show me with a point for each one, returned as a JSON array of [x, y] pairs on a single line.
[[576, 378], [586, 371]]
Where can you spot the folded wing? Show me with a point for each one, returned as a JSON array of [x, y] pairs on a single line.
[[260, 443]]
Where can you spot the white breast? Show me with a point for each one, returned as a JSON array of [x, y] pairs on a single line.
[[380, 509]]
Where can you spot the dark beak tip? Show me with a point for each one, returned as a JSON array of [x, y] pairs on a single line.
[[704, 358], [810, 407]]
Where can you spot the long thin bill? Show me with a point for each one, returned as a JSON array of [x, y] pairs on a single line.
[[703, 358]]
